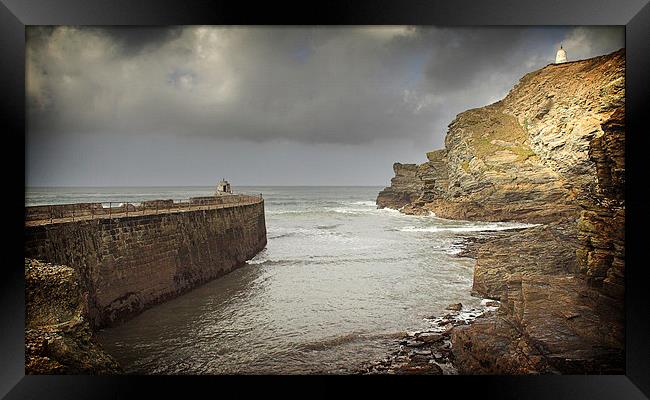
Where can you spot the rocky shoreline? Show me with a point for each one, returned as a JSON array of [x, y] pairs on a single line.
[[548, 319], [429, 351], [550, 153]]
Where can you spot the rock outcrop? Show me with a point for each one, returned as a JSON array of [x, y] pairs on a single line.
[[546, 249], [551, 152], [546, 324], [405, 187], [58, 337]]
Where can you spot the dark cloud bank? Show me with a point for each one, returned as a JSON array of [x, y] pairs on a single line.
[[265, 105]]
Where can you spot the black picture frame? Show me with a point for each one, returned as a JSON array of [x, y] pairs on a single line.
[[634, 14]]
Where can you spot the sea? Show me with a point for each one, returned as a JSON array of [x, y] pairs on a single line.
[[338, 282]]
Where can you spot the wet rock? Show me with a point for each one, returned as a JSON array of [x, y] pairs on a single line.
[[455, 307], [424, 369], [419, 359], [414, 343], [430, 337]]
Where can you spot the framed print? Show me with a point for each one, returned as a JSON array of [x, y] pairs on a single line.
[[348, 190]]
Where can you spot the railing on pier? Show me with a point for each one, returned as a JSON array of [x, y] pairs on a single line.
[[35, 215]]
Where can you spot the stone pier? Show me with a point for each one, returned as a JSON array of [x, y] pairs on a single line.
[[133, 256]]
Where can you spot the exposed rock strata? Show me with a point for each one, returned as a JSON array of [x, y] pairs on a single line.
[[546, 249], [546, 324], [405, 187], [526, 157], [601, 227], [550, 152], [58, 337]]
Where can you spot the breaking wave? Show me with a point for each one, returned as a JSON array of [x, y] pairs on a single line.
[[362, 203], [470, 228]]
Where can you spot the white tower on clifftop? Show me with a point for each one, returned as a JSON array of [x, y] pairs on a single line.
[[560, 57]]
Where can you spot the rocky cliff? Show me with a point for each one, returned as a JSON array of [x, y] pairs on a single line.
[[405, 187], [551, 152], [523, 158]]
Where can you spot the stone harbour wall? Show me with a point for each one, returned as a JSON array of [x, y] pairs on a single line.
[[127, 264]]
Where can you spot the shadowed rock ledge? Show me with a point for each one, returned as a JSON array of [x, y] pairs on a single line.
[[552, 153]]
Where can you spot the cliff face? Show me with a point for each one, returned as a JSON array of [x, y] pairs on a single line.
[[602, 221], [550, 152], [526, 157]]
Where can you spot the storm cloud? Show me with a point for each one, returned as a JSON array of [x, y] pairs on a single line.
[[382, 94]]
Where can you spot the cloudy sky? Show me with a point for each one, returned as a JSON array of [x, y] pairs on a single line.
[[265, 105]]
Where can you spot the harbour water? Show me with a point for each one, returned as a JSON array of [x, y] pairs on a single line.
[[338, 281]]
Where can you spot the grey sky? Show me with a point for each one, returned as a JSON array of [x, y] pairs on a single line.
[[265, 105]]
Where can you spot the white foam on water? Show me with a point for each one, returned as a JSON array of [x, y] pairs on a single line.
[[485, 301], [296, 212], [342, 210], [388, 210], [256, 262], [352, 210], [324, 210], [469, 228], [362, 203]]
